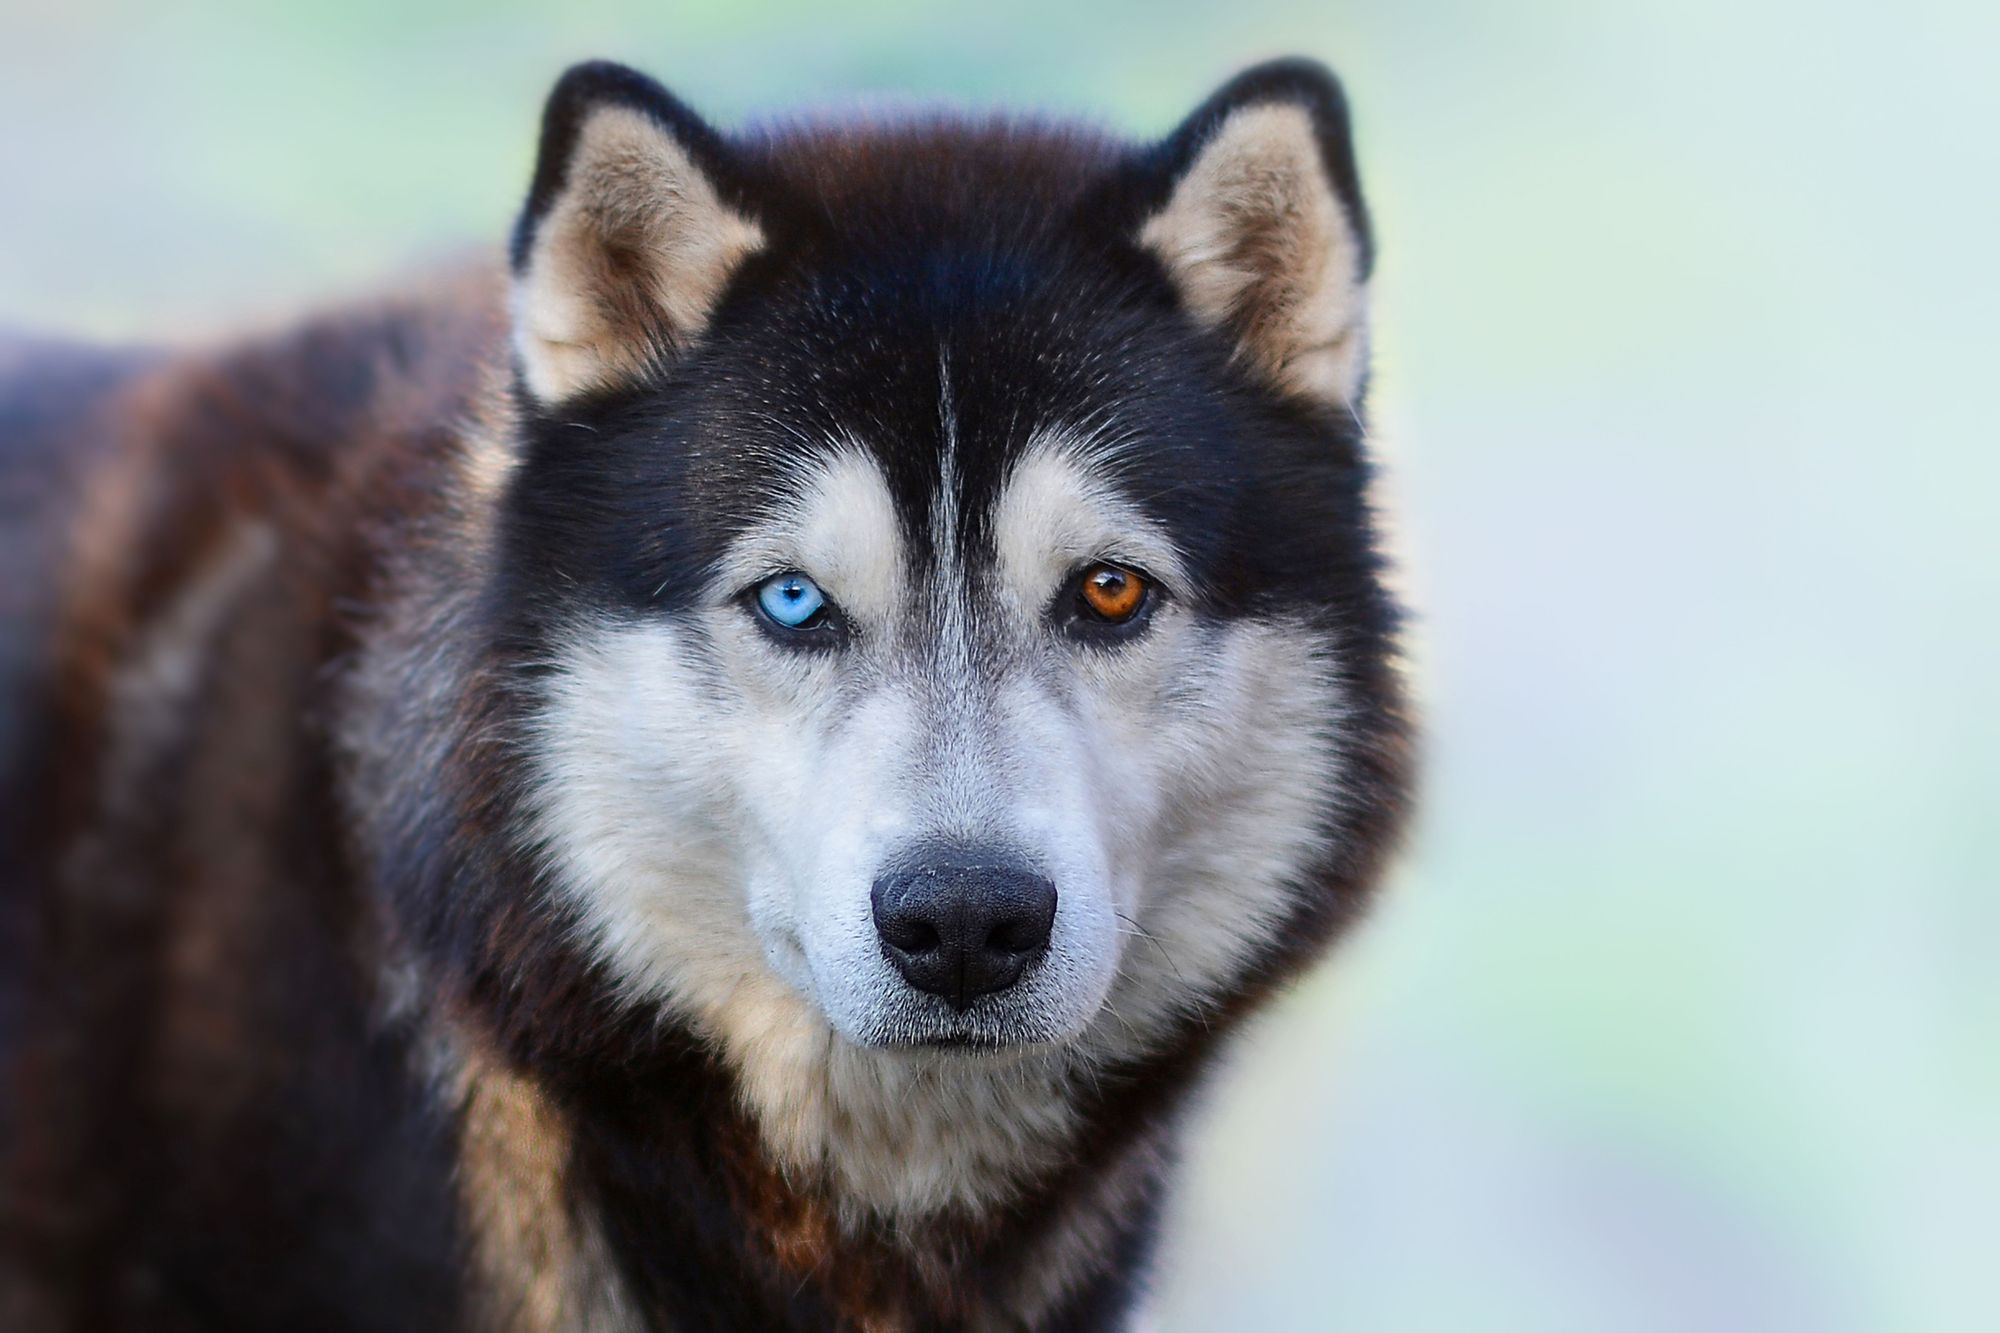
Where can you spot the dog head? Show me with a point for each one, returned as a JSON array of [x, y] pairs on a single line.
[[941, 558]]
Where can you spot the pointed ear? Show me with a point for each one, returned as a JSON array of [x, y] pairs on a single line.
[[1256, 214], [630, 234]]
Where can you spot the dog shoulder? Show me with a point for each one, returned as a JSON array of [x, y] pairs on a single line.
[[181, 530]]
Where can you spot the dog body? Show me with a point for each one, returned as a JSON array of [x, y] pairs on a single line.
[[733, 778]]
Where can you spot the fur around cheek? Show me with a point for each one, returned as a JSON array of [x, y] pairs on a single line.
[[1136, 727], [1256, 750], [632, 822]]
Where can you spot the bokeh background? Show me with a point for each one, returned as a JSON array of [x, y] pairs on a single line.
[[1684, 1012]]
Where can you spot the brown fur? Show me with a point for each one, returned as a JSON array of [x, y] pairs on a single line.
[[198, 579]]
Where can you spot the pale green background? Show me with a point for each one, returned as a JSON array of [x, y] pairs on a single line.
[[1684, 1013]]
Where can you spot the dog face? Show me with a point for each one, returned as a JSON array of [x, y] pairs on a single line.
[[939, 557]]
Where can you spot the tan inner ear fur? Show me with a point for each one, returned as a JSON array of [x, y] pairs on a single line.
[[1257, 241], [629, 261]]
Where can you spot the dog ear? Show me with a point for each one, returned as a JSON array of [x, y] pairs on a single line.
[[1255, 212], [631, 231]]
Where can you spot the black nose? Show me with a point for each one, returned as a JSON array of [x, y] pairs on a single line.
[[963, 924]]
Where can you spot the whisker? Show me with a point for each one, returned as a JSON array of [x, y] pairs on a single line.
[[1153, 940]]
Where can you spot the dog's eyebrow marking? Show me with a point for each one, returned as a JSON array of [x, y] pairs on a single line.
[[840, 528], [1057, 511]]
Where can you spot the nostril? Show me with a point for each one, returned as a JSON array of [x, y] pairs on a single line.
[[911, 934], [909, 912], [1018, 934]]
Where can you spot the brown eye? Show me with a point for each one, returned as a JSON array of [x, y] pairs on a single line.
[[1111, 593]]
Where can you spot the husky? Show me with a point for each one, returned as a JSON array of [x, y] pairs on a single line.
[[732, 770]]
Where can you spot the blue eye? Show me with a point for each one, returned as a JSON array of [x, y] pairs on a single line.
[[792, 601]]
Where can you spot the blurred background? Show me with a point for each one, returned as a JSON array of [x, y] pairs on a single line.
[[1684, 1013]]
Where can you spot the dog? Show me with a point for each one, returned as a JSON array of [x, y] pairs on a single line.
[[729, 771]]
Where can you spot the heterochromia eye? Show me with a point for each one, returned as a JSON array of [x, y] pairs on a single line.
[[792, 601], [1112, 594]]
